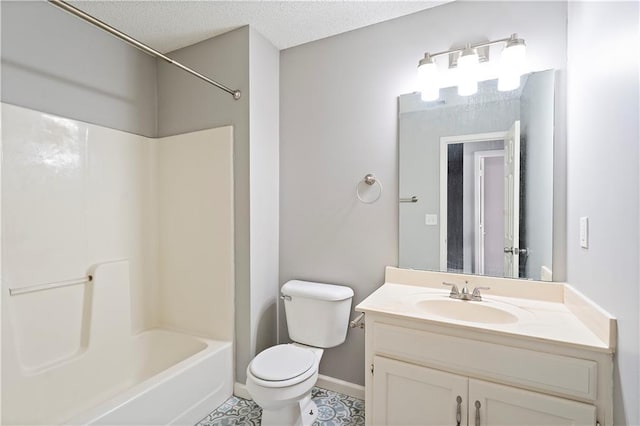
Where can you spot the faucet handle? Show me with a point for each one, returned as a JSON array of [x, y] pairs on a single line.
[[476, 293], [454, 289]]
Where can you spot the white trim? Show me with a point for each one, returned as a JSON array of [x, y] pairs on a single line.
[[474, 137], [478, 211], [240, 390], [443, 202], [341, 386], [444, 141]]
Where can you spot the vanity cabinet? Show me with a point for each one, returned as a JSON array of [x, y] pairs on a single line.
[[417, 371], [529, 354], [495, 404], [408, 394]]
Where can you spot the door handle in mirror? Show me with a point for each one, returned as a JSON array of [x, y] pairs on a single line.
[[413, 199]]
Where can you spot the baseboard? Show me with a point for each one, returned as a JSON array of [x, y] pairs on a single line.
[[341, 386], [324, 382], [240, 390]]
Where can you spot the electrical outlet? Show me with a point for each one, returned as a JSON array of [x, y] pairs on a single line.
[[430, 219]]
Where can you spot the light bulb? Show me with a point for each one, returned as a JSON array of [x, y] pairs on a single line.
[[512, 64], [468, 72], [428, 79], [508, 82]]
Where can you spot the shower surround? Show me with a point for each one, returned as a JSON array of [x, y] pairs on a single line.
[[152, 221]]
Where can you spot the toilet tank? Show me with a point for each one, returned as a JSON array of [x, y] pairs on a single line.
[[317, 313]]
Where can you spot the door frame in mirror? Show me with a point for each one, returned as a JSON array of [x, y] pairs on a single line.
[[445, 141]]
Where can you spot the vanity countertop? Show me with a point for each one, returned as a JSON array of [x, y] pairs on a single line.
[[540, 311]]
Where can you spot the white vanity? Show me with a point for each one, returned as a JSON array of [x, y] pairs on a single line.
[[530, 353]]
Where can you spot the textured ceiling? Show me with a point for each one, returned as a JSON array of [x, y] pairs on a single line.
[[169, 25]]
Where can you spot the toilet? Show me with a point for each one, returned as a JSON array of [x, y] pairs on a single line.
[[280, 378]]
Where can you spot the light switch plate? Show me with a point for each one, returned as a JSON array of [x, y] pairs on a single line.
[[430, 219], [584, 232]]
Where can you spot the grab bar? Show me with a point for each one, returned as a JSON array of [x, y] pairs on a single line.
[[413, 199], [49, 286]]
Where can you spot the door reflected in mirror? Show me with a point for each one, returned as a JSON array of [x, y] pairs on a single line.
[[481, 169]]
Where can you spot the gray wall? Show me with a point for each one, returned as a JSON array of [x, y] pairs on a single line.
[[53, 62], [603, 179], [537, 125], [338, 122]]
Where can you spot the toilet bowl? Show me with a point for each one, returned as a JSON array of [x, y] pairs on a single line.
[[280, 378]]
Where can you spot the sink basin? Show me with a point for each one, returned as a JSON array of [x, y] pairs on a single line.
[[479, 312]]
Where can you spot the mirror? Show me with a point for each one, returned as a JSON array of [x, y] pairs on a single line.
[[476, 180]]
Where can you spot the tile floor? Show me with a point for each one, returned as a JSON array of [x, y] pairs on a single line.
[[333, 409]]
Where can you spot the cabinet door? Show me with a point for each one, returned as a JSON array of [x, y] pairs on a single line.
[[508, 406], [406, 394]]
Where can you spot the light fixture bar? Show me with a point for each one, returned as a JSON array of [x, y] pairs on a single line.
[[483, 56], [511, 38]]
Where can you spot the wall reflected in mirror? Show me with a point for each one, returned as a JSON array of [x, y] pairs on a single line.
[[476, 180]]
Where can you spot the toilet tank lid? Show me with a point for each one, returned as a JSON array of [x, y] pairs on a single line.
[[314, 290]]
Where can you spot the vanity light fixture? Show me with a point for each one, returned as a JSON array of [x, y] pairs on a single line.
[[467, 60]]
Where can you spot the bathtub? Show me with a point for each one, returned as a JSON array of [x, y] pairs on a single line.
[[113, 377], [173, 378], [161, 378]]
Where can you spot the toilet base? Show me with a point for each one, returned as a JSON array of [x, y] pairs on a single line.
[[302, 413]]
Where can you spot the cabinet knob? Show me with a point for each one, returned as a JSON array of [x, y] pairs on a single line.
[[478, 405], [459, 410]]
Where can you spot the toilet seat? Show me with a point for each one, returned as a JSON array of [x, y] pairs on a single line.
[[282, 363]]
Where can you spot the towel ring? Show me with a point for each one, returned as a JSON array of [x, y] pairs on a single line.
[[369, 189]]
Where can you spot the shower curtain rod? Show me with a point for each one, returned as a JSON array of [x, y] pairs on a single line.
[[149, 50]]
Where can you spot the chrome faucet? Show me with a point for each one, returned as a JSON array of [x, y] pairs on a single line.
[[464, 294], [476, 293]]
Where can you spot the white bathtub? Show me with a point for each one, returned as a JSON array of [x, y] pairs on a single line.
[[162, 378], [176, 379], [156, 377]]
